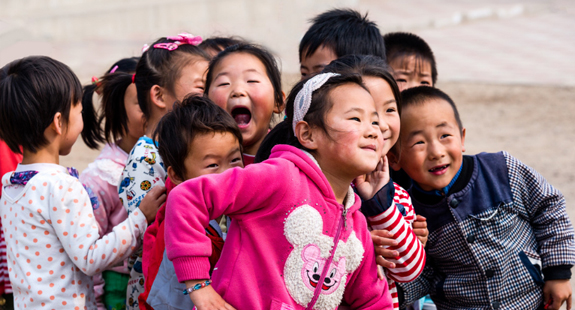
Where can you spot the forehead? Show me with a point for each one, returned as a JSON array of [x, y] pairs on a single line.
[[427, 115], [350, 95], [237, 63], [411, 63], [322, 55], [213, 143]]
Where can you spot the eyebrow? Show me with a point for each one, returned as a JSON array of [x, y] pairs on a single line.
[[226, 73], [389, 101], [208, 156], [360, 110]]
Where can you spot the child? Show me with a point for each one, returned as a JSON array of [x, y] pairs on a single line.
[[168, 70], [500, 237], [123, 125], [337, 33], [195, 139], [408, 259], [245, 81], [54, 246], [412, 60], [214, 45], [297, 237]]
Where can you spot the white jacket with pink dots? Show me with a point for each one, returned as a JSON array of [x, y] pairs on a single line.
[[52, 239]]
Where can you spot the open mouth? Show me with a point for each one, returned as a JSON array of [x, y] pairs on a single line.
[[242, 116], [439, 169]]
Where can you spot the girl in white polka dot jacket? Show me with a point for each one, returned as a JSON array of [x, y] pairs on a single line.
[[52, 239]]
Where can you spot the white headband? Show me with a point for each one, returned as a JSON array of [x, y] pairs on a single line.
[[303, 98]]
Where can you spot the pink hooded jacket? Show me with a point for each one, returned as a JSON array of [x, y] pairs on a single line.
[[291, 245]]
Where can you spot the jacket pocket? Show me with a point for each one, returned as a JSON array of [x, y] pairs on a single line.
[[278, 305], [533, 266]]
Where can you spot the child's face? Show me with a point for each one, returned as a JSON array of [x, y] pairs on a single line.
[[354, 141], [192, 81], [386, 108], [133, 112], [242, 87], [315, 63], [72, 130], [431, 144], [213, 152], [411, 71]]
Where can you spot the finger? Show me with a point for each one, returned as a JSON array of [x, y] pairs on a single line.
[[229, 307], [419, 224], [421, 232], [156, 191], [381, 241], [556, 303], [162, 198], [381, 233], [384, 263], [380, 274], [420, 218], [379, 166], [390, 254], [569, 301]]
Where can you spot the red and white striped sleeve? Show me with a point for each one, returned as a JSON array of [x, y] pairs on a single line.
[[397, 220]]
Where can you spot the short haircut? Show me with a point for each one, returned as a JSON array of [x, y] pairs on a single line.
[[260, 53], [177, 129], [346, 32], [366, 65], [218, 44], [418, 96], [163, 67], [32, 91], [112, 87], [402, 44]]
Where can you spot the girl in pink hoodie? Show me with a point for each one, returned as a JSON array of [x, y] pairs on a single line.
[[297, 239]]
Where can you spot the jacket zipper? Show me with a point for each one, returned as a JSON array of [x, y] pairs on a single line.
[[342, 223]]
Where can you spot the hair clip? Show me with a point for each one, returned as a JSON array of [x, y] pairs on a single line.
[[303, 98], [94, 80], [133, 78], [114, 69], [181, 39], [145, 47]]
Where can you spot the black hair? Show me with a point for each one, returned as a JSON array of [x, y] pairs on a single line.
[[419, 95], [178, 128], [402, 44], [163, 67], [366, 65], [320, 105], [218, 44], [260, 53], [114, 113], [345, 31], [32, 91]]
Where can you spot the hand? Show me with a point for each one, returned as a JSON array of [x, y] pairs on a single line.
[[420, 229], [152, 202], [382, 239], [555, 292], [368, 185], [207, 298]]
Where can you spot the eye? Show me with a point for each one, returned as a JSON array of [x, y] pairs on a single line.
[[376, 123], [212, 166], [332, 273], [390, 110], [253, 81], [355, 119], [235, 160], [445, 136], [425, 83], [401, 80], [315, 267], [418, 143], [224, 84]]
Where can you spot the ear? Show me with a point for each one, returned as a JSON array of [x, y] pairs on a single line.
[[463, 140], [306, 135], [172, 175], [280, 108], [56, 124], [157, 96], [310, 252], [393, 160]]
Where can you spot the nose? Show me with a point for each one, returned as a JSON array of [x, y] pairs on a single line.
[[238, 91], [383, 125], [435, 150]]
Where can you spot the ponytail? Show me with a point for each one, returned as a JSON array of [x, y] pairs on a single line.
[[114, 117], [92, 132]]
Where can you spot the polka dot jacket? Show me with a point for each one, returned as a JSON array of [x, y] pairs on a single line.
[[53, 244]]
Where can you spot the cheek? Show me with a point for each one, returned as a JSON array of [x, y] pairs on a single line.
[[263, 104], [220, 98]]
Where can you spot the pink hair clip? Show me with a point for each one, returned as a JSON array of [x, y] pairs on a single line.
[[94, 80], [114, 69], [181, 39], [145, 47]]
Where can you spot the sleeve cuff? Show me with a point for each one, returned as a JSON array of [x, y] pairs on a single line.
[[561, 272], [382, 200], [192, 268]]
